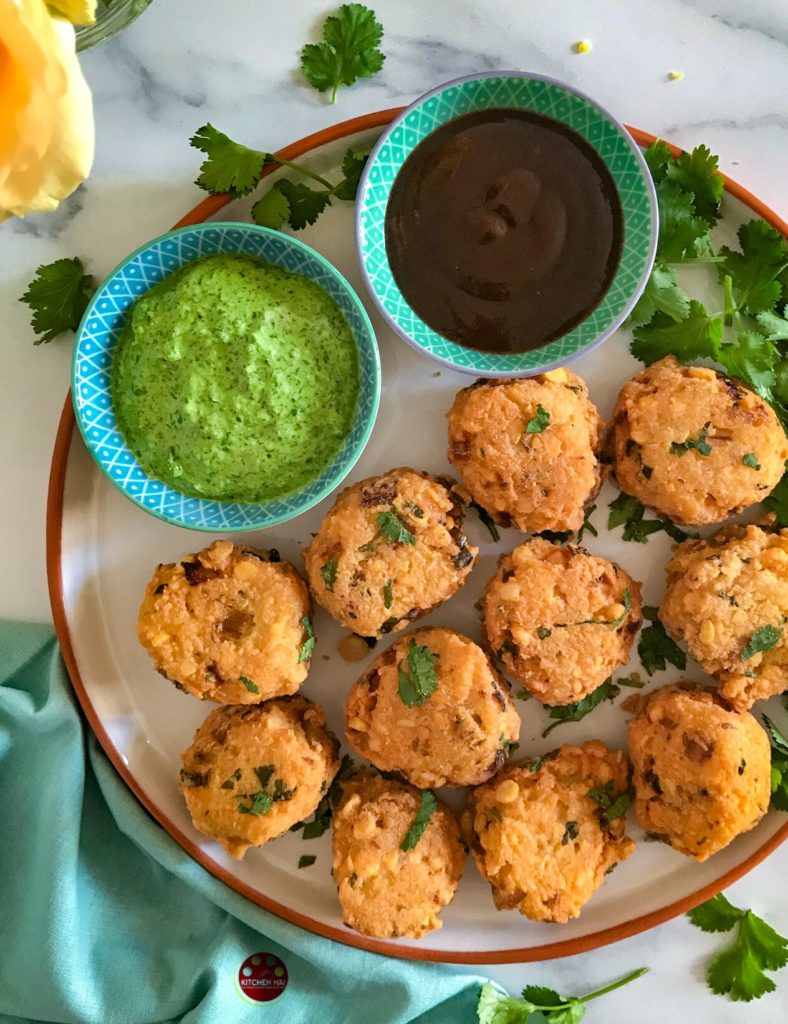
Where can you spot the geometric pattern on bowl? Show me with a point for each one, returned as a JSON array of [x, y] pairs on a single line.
[[98, 335], [520, 91]]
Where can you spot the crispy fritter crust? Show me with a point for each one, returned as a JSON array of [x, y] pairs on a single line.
[[534, 481], [668, 404], [701, 769], [375, 585], [540, 840], [385, 891], [226, 624], [281, 748], [557, 618], [457, 737]]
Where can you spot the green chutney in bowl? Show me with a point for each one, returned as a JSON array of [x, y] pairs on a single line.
[[226, 377]]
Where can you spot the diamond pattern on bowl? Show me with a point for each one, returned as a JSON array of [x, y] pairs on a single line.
[[98, 335], [618, 151]]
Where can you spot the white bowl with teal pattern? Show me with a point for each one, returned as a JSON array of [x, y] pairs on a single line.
[[98, 335], [520, 91]]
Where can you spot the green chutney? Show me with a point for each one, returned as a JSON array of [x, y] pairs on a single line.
[[235, 380]]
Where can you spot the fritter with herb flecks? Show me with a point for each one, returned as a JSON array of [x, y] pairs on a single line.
[[694, 445], [435, 709], [252, 773], [390, 550], [546, 832], [527, 449], [229, 624], [398, 857], [701, 770]]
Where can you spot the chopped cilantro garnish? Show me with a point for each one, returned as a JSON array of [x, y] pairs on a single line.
[[698, 444], [251, 686], [392, 527], [421, 679], [308, 644], [416, 831], [763, 639], [306, 860], [613, 805], [655, 647], [751, 460], [539, 422], [563, 713], [388, 594], [329, 573]]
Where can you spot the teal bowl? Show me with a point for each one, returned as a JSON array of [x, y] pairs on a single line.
[[98, 335], [519, 91]]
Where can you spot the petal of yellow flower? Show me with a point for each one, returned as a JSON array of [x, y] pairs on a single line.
[[78, 12], [46, 131]]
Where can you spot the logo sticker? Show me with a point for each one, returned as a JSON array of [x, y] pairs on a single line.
[[262, 978]]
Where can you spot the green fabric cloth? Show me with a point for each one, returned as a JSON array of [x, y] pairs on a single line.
[[104, 918]]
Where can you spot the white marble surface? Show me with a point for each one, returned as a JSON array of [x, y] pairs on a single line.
[[235, 63]]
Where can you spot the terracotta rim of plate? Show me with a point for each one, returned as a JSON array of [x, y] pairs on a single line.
[[57, 478]]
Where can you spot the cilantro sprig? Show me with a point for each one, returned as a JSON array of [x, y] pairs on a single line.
[[747, 334], [628, 511], [418, 827], [349, 51], [230, 167], [655, 648], [779, 779], [415, 685], [739, 970], [563, 713], [540, 1005], [58, 296]]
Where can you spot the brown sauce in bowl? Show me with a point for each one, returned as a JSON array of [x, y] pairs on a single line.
[[503, 230]]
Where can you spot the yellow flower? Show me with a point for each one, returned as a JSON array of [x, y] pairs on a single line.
[[78, 12], [46, 127]]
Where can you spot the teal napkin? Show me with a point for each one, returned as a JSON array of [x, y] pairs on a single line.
[[104, 918]]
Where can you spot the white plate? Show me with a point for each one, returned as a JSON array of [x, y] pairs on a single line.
[[108, 549]]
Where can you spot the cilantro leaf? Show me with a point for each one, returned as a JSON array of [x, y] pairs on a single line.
[[329, 572], [421, 679], [306, 204], [416, 831], [697, 173], [495, 1007], [612, 805], [587, 525], [58, 296], [261, 803], [715, 915], [487, 519], [250, 685], [308, 644], [779, 779], [539, 422], [306, 860], [352, 167], [562, 713], [661, 295], [349, 51], [751, 460], [774, 325], [698, 336], [230, 166], [655, 647], [763, 639], [698, 444], [272, 210], [756, 269], [682, 233], [751, 358], [388, 594], [320, 821], [392, 527], [658, 157], [627, 510], [739, 970]]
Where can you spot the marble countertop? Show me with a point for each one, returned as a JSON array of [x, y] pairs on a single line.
[[185, 62]]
